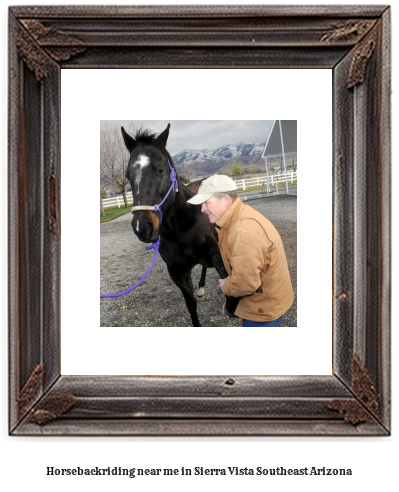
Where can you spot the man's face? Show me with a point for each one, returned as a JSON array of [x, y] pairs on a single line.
[[214, 208]]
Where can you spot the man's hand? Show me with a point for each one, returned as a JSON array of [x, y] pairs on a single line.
[[224, 314], [222, 281]]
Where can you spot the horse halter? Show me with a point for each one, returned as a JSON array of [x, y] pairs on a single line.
[[156, 208], [156, 244]]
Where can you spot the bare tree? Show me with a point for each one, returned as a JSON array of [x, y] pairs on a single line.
[[187, 169], [114, 159], [120, 162], [105, 161], [281, 165]]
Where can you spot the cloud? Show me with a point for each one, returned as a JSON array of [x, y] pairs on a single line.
[[204, 134]]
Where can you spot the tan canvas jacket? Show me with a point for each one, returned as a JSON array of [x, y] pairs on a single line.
[[254, 257]]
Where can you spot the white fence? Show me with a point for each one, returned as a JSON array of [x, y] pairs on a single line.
[[117, 201], [273, 179]]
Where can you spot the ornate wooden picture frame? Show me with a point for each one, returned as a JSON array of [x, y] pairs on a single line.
[[353, 42]]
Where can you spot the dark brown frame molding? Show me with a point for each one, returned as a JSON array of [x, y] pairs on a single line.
[[353, 42]]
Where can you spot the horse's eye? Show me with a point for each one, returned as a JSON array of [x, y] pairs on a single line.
[[160, 171]]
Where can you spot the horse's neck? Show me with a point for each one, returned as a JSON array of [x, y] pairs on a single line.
[[179, 213]]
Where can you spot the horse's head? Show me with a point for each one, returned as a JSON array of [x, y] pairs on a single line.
[[148, 173]]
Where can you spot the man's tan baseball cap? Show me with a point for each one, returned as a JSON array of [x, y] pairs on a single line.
[[214, 184]]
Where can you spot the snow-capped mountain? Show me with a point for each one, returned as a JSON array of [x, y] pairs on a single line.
[[229, 151]]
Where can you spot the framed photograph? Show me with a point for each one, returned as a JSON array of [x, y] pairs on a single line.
[[352, 44], [197, 149]]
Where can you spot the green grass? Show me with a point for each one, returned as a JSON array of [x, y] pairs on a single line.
[[113, 213], [255, 188]]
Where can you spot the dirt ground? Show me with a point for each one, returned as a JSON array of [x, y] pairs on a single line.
[[157, 301]]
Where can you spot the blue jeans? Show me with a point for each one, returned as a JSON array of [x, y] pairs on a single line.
[[276, 322]]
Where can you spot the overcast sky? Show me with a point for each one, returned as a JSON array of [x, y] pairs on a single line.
[[201, 134]]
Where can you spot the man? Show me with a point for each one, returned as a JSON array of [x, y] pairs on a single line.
[[252, 252]]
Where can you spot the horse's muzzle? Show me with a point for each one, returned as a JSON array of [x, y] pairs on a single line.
[[146, 226]]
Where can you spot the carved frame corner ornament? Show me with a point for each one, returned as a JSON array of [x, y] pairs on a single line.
[[38, 46], [352, 30], [30, 391], [361, 56], [364, 33], [354, 43], [366, 406]]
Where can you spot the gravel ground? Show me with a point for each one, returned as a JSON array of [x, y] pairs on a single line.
[[157, 301]]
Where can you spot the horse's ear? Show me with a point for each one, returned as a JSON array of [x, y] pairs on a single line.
[[163, 137], [130, 142]]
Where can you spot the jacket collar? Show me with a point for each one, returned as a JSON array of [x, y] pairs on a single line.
[[230, 214]]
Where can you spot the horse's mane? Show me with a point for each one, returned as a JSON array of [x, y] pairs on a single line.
[[146, 136]]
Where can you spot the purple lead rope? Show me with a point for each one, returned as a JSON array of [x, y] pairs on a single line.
[[155, 245]]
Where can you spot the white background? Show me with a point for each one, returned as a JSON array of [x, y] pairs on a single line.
[[373, 460], [88, 348]]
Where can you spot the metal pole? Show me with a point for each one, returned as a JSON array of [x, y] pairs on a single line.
[[267, 177], [282, 146], [101, 205]]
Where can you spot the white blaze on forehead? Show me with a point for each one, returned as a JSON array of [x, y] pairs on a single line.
[[142, 161]]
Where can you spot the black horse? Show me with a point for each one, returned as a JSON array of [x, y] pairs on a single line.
[[187, 237]]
